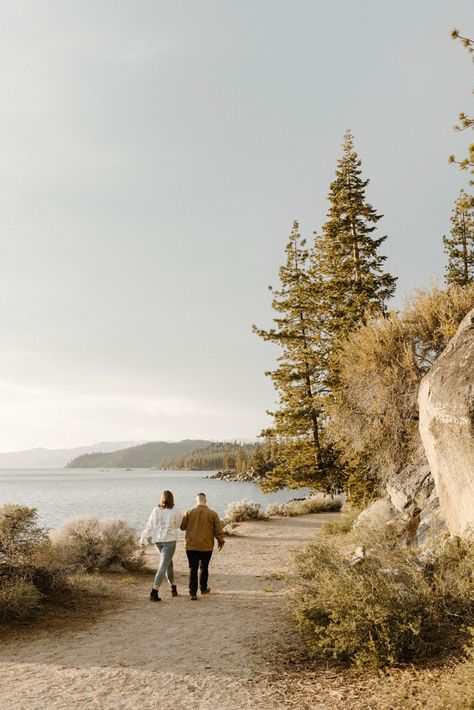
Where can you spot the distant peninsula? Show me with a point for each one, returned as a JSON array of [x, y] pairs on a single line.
[[149, 455]]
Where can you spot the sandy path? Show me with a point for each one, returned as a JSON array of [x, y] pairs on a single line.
[[213, 653]]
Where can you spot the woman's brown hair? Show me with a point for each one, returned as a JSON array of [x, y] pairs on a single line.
[[167, 500]]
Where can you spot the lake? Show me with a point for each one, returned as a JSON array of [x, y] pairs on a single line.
[[61, 493]]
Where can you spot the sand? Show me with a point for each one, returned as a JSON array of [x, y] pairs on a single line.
[[220, 651]]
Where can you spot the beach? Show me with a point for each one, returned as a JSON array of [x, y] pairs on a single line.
[[228, 649]]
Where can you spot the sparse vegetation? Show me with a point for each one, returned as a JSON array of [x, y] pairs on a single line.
[[343, 524], [318, 503], [453, 690]]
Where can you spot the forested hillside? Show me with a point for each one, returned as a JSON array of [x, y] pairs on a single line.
[[229, 457], [150, 455]]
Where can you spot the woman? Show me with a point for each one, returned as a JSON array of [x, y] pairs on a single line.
[[162, 528]]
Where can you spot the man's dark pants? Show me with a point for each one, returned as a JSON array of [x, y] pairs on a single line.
[[198, 560]]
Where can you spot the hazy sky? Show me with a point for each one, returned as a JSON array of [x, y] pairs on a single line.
[[153, 157]]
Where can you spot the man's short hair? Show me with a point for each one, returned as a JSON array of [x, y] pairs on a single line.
[[201, 497]]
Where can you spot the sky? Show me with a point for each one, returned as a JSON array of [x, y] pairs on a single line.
[[153, 157]]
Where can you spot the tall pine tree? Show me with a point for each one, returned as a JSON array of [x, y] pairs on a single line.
[[346, 256], [299, 376], [460, 245]]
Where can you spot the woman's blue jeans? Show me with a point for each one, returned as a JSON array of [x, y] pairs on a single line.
[[166, 550]]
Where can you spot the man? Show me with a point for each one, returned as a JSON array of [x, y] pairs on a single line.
[[202, 525]]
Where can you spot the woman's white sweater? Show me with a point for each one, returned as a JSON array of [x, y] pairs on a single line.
[[162, 526]]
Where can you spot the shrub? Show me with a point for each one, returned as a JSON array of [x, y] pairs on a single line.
[[385, 606], [373, 414], [20, 600], [85, 542], [238, 511], [318, 503], [21, 538], [118, 545], [77, 542], [29, 567]]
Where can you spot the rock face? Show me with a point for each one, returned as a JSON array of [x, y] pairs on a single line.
[[446, 401], [413, 495]]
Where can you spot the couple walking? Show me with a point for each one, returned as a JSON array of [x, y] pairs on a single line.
[[201, 525]]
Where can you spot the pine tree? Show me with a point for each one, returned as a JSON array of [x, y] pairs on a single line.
[[460, 245], [346, 256], [465, 121], [298, 377]]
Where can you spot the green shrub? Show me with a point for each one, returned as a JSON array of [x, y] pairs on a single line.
[[26, 554], [21, 538], [87, 543], [20, 600], [238, 511], [384, 606]]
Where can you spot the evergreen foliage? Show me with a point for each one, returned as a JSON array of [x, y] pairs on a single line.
[[229, 457], [460, 245], [346, 256], [299, 375], [465, 121], [326, 292]]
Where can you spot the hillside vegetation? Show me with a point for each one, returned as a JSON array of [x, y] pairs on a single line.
[[150, 455], [230, 457]]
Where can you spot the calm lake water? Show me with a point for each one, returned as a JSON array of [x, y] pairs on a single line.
[[61, 493]]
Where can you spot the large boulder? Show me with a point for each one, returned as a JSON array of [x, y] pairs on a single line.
[[446, 401]]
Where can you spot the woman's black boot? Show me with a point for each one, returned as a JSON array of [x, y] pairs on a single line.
[[174, 591], [154, 596]]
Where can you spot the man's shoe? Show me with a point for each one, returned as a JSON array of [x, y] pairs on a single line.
[[205, 591], [174, 591], [154, 596], [193, 597]]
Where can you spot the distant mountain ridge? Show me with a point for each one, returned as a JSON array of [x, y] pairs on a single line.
[[149, 455], [41, 457]]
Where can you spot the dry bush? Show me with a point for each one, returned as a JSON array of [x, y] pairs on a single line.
[[29, 568], [374, 414], [85, 542], [318, 503], [118, 545], [385, 606], [20, 600], [77, 542], [238, 511], [21, 538]]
